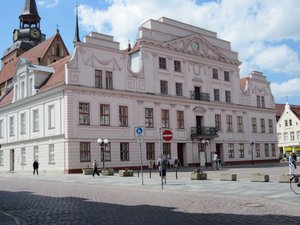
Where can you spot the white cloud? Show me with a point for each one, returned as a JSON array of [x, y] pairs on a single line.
[[288, 88], [48, 3]]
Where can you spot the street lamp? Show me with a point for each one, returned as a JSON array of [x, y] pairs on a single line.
[[252, 144], [205, 142], [102, 143]]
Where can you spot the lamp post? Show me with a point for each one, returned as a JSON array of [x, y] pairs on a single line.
[[205, 142], [252, 144], [102, 143]]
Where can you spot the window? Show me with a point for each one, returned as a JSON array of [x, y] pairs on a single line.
[[285, 136], [167, 150], [286, 123], [1, 128], [263, 105], [150, 151], [180, 120], [85, 151], [292, 136], [165, 118], [257, 150], [230, 151], [23, 156], [30, 88], [273, 149], [270, 126], [226, 76], [1, 158], [298, 135], [164, 87], [109, 80], [11, 126], [148, 117], [35, 152], [35, 115], [98, 78], [216, 94], [267, 150], [239, 123], [123, 116], [51, 154], [107, 152], [162, 63], [84, 113], [22, 89], [279, 137], [104, 115], [242, 151], [258, 101], [262, 126], [177, 66], [215, 73], [23, 123], [229, 122], [51, 117], [254, 126], [227, 96], [124, 151], [179, 89], [291, 123], [218, 123]]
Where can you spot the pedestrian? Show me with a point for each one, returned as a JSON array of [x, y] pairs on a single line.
[[35, 167], [95, 168], [162, 166], [292, 164]]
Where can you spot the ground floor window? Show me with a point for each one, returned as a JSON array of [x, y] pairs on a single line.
[[124, 151], [230, 151], [242, 151], [266, 150], [273, 149], [85, 151], [150, 151], [36, 152], [1, 158], [51, 154], [257, 150], [167, 150], [23, 156]]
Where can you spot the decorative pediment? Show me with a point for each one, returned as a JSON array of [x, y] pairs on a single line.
[[259, 91], [94, 61], [199, 109]]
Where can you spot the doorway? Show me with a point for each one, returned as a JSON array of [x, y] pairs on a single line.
[[219, 150], [12, 160], [180, 153]]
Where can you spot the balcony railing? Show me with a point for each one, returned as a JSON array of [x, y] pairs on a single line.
[[204, 132], [202, 96]]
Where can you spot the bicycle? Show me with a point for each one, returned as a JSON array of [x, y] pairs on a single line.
[[295, 184], [217, 165]]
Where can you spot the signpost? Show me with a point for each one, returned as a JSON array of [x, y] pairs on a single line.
[[139, 134], [167, 135]]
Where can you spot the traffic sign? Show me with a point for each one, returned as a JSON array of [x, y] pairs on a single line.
[[139, 131], [167, 135]]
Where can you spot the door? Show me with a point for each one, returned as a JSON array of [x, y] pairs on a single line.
[[197, 93], [12, 160], [219, 150], [180, 150], [199, 121]]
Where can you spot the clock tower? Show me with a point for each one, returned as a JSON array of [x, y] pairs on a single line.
[[29, 34]]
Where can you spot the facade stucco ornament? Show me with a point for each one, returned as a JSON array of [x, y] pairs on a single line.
[[261, 91], [199, 109], [94, 61]]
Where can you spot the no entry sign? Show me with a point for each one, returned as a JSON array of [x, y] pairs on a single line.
[[167, 135]]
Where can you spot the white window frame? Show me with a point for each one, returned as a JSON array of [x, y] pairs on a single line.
[[35, 120], [51, 154], [51, 117]]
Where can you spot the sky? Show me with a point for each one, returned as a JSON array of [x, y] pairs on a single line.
[[265, 33]]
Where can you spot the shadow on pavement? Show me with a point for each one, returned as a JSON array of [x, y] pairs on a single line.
[[42, 210]]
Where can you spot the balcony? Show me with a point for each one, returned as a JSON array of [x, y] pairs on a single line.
[[202, 96], [204, 132]]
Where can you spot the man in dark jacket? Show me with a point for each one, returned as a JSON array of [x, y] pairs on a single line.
[[36, 167]]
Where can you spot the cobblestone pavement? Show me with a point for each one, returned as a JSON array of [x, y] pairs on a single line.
[[113, 200]]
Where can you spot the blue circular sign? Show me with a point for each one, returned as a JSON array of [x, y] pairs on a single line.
[[139, 130]]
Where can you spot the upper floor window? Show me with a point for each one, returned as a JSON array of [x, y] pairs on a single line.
[[177, 66], [165, 118], [1, 129], [123, 116], [162, 63], [30, 87], [270, 126], [84, 113], [11, 126], [98, 78], [227, 96], [263, 104], [22, 89], [179, 91], [262, 125], [285, 136], [239, 124], [109, 80], [51, 114], [254, 126], [226, 76], [215, 74], [23, 123], [104, 115], [229, 122], [298, 135], [218, 123], [292, 136], [148, 117], [164, 87], [258, 101], [216, 94], [35, 121], [180, 119]]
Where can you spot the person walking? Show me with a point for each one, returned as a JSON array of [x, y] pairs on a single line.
[[292, 164], [35, 167], [95, 168], [162, 165]]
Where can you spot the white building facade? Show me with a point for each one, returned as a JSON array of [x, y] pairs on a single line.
[[177, 77]]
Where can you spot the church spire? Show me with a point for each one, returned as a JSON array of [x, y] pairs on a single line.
[[76, 38], [29, 16]]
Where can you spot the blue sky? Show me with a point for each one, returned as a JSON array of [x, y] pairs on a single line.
[[265, 33]]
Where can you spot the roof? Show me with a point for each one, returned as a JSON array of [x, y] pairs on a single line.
[[281, 107], [30, 8], [32, 55]]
